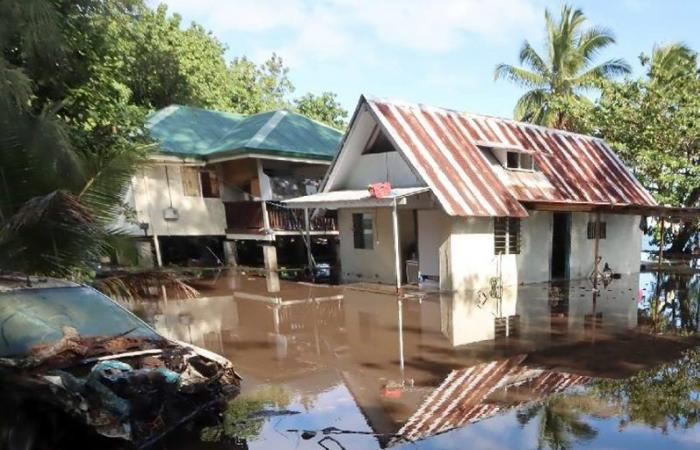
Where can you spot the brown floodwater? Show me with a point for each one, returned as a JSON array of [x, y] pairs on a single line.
[[543, 365]]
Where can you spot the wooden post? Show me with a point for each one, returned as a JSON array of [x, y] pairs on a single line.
[[307, 229], [596, 249], [397, 250], [661, 240]]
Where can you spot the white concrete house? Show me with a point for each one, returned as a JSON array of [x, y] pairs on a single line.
[[477, 200]]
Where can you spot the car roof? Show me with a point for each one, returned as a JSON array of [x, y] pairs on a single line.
[[15, 282]]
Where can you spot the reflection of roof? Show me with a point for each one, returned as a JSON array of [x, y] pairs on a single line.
[[466, 395], [196, 132], [360, 198], [445, 148]]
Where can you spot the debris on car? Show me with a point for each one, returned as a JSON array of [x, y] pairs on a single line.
[[70, 347]]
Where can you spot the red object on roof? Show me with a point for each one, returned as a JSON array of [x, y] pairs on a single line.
[[379, 190], [445, 148]]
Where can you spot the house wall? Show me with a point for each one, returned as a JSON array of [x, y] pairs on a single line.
[[379, 167], [621, 248], [373, 265], [535, 247], [198, 216]]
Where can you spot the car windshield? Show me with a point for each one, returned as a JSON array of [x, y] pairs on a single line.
[[37, 316]]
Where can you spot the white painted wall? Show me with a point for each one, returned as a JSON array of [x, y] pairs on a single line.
[[353, 170], [535, 247], [429, 241], [467, 259], [198, 216], [371, 265], [621, 249], [376, 167]]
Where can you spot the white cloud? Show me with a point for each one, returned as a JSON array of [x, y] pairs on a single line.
[[335, 29]]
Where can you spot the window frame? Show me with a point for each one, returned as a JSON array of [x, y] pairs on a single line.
[[363, 236], [601, 231], [507, 236]]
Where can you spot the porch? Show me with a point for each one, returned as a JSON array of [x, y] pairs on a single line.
[[257, 216]]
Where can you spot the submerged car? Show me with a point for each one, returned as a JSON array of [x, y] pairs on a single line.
[[68, 351]]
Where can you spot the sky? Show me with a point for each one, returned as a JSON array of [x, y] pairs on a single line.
[[439, 52]]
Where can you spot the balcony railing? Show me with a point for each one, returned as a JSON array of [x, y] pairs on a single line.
[[248, 217]]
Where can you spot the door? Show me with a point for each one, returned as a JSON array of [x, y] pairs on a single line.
[[429, 242], [561, 245]]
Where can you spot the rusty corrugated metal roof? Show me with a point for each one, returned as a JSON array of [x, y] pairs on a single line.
[[466, 395], [447, 149]]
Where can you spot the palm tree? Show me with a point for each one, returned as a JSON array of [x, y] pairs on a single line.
[[559, 426], [557, 80], [62, 181], [669, 58]]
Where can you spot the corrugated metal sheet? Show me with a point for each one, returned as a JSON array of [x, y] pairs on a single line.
[[203, 133], [466, 395], [446, 148]]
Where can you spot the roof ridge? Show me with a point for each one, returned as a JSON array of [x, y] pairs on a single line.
[[473, 114]]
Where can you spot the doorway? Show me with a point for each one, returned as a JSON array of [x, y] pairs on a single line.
[[561, 245]]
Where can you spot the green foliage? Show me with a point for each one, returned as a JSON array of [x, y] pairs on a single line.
[[659, 398], [654, 124], [325, 108], [559, 423], [558, 80], [69, 140], [243, 418], [258, 88]]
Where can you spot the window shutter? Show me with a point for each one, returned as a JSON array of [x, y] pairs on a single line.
[[190, 182]]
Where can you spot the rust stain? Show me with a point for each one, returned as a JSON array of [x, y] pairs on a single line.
[[445, 147]]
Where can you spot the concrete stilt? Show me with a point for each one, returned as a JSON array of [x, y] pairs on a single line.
[[230, 253], [271, 270]]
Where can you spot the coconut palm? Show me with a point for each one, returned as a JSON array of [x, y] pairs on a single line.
[[558, 79], [62, 175], [668, 58]]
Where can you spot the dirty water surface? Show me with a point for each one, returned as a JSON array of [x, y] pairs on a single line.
[[538, 366]]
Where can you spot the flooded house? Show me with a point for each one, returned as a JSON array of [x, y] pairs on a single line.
[[477, 202], [213, 188]]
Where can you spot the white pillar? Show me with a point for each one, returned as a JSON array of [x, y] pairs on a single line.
[[307, 227], [230, 253], [156, 244], [397, 250]]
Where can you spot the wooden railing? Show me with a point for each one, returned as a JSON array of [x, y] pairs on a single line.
[[248, 217]]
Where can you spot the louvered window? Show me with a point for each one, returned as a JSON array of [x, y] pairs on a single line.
[[506, 235], [600, 230]]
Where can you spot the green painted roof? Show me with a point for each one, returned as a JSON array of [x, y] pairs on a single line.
[[202, 133]]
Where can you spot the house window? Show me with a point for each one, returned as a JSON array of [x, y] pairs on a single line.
[[518, 160], [210, 184], [506, 232], [600, 231], [363, 230], [190, 182]]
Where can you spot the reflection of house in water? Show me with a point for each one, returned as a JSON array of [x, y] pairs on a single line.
[[540, 312], [412, 367], [479, 392]]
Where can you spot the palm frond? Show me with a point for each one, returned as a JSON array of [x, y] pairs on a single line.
[[144, 284], [529, 57], [520, 76], [593, 77]]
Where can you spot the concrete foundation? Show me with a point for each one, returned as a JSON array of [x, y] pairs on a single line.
[[144, 250]]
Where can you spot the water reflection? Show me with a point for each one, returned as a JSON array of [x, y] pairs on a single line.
[[377, 371]]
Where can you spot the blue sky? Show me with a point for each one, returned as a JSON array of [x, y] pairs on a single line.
[[439, 52]]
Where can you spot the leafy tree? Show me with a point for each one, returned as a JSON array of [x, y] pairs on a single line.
[[257, 88], [68, 142], [325, 108], [558, 79], [164, 64], [654, 124]]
